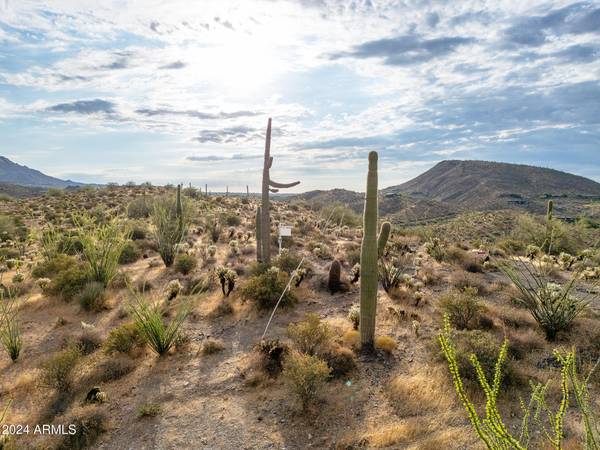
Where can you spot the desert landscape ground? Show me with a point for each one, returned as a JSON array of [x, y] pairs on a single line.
[[138, 314]]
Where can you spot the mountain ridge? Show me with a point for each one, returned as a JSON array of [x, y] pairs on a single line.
[[21, 175]]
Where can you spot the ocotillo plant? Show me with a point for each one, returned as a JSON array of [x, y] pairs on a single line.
[[368, 259], [268, 185], [547, 247], [258, 235]]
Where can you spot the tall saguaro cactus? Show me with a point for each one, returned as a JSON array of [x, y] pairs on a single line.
[[258, 235], [268, 185], [369, 253]]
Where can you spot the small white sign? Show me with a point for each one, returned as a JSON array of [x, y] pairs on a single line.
[[285, 230]]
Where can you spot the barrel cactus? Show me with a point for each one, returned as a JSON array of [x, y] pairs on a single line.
[[333, 279]]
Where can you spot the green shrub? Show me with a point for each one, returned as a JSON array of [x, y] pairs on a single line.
[[57, 371], [68, 283], [310, 336], [185, 263], [232, 220], [131, 253], [265, 289], [138, 232], [50, 267], [463, 307], [149, 410], [287, 261], [212, 346], [306, 376], [123, 339], [89, 425], [139, 208], [114, 369], [93, 296]]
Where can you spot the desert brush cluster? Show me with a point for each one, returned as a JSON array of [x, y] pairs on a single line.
[[165, 317]]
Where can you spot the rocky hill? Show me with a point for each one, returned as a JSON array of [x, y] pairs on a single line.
[[16, 174]]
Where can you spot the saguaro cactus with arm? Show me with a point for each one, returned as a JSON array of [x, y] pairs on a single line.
[[268, 185], [368, 258]]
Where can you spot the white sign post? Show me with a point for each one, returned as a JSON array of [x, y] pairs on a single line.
[[284, 231]]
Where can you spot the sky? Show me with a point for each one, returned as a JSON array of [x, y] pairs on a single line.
[[180, 91]]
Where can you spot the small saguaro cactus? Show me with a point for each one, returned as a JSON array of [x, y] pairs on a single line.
[[179, 210], [268, 185], [384, 234], [368, 259], [258, 235], [333, 279]]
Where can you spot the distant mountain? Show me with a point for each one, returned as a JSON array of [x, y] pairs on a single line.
[[17, 174], [452, 187], [482, 185]]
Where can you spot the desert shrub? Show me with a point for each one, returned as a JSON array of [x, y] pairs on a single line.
[[340, 360], [88, 341], [68, 282], [170, 227], [89, 425], [436, 249], [123, 339], [272, 353], [139, 208], [231, 220], [151, 325], [305, 375], [385, 343], [462, 306], [57, 371], [265, 289], [213, 228], [50, 267], [353, 256], [102, 247], [138, 232], [341, 215], [185, 263], [131, 253], [554, 307], [310, 336], [462, 280], [8, 228], [212, 346], [149, 410], [287, 261], [391, 271], [93, 296], [114, 369]]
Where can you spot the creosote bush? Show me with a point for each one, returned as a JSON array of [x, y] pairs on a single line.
[[265, 289], [462, 306], [123, 339], [93, 296], [184, 263], [310, 336], [57, 370], [306, 376]]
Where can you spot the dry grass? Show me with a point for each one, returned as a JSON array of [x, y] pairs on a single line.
[[424, 391]]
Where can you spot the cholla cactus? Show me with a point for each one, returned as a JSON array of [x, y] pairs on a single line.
[[532, 251], [43, 283], [354, 316], [355, 273], [211, 250], [298, 276], [174, 287], [234, 248], [565, 261], [227, 278]]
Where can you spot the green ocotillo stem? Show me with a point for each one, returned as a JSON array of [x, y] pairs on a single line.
[[368, 260], [179, 210], [384, 234], [548, 240], [258, 235]]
